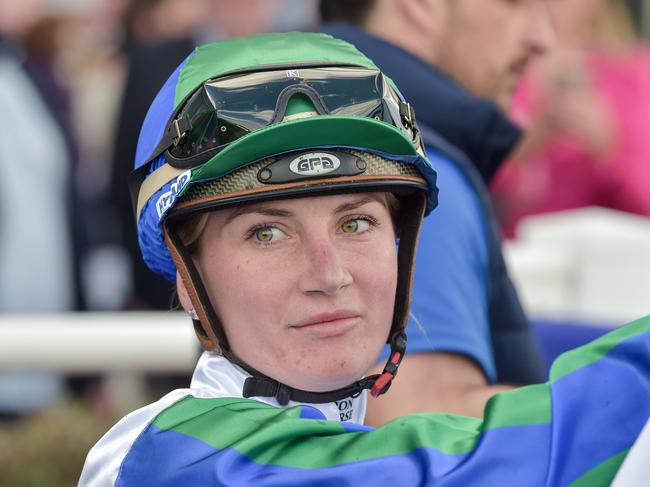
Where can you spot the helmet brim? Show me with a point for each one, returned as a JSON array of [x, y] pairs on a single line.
[[322, 131]]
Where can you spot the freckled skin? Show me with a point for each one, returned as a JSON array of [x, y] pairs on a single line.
[[261, 291]]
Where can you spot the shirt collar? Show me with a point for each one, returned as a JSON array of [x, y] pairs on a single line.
[[215, 376]]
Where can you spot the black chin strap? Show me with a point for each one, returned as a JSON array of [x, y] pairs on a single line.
[[260, 385]]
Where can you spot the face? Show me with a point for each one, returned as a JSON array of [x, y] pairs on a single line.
[[574, 19], [486, 45], [305, 288]]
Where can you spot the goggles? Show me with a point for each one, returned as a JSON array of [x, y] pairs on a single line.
[[225, 109]]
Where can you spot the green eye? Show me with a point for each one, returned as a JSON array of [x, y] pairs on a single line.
[[356, 225], [266, 234], [350, 227]]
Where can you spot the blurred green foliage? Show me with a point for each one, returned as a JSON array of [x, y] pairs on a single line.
[[48, 449]]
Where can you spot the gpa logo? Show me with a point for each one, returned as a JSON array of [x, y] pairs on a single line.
[[168, 198], [314, 164]]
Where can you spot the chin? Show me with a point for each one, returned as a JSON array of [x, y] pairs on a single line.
[[504, 101], [332, 377]]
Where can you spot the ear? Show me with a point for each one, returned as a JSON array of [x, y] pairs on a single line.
[[205, 336], [413, 25], [183, 295], [421, 14]]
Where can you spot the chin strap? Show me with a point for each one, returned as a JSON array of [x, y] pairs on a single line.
[[259, 385]]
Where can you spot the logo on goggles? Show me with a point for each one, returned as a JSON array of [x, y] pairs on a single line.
[[314, 164]]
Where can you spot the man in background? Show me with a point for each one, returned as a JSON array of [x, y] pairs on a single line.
[[458, 62]]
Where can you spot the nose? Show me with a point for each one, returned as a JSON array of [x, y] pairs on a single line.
[[325, 271], [540, 34]]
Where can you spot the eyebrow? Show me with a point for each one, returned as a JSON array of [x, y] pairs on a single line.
[[266, 211], [353, 205], [245, 210]]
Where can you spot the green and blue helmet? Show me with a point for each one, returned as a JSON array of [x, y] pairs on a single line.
[[268, 117]]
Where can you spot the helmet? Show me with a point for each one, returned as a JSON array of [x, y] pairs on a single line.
[[276, 116]]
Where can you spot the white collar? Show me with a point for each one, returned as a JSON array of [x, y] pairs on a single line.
[[215, 376]]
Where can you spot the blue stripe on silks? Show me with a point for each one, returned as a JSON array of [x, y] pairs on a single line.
[[509, 455], [608, 424], [165, 458], [308, 412], [159, 113], [355, 428]]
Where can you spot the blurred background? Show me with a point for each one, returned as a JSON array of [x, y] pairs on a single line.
[[83, 334]]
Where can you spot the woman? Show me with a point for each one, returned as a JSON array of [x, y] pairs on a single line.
[[273, 193]]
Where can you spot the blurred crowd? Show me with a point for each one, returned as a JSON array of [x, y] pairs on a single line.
[[76, 78], [87, 70]]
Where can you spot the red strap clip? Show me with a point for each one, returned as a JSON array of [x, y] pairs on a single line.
[[383, 381]]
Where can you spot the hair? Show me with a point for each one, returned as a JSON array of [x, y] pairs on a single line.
[[353, 12], [614, 25], [191, 229]]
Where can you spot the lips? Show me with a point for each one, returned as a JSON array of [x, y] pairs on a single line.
[[324, 318], [328, 324]]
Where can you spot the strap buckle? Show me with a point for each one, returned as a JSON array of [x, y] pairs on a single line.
[[179, 134], [407, 113], [385, 379]]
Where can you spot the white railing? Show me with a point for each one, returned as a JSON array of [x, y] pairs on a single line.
[[98, 342], [590, 265]]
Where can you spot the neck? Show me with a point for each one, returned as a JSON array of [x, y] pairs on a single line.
[[215, 376]]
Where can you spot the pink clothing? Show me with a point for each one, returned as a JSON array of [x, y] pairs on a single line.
[[563, 174]]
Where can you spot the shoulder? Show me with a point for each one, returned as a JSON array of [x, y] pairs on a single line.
[[105, 459], [157, 444], [451, 281], [459, 224]]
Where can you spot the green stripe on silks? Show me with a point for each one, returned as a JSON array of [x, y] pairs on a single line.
[[269, 435], [601, 474], [519, 407], [594, 351]]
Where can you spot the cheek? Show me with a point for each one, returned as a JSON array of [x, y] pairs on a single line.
[[234, 281], [377, 276]]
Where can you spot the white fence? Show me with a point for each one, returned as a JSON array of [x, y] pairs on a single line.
[[98, 342], [589, 265]]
